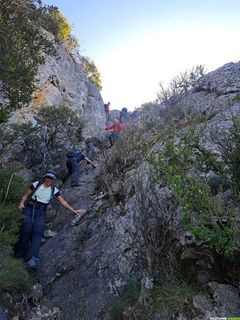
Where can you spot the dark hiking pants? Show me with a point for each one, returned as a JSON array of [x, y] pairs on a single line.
[[90, 150], [113, 137], [73, 171], [31, 231]]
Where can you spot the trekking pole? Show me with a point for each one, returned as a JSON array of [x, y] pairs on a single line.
[[8, 187]]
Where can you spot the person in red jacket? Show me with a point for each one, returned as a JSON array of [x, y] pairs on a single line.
[[116, 129]]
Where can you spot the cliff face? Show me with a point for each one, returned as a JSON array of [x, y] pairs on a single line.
[[124, 232], [61, 80]]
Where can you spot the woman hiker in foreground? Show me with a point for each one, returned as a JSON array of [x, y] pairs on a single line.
[[34, 204]]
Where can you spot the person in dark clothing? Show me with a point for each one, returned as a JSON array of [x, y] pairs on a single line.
[[90, 147], [34, 205], [123, 115], [107, 110], [72, 163]]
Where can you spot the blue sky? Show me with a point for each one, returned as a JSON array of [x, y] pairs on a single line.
[[135, 44]]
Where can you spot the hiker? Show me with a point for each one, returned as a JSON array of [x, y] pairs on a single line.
[[135, 115], [72, 163], [107, 110], [34, 205], [123, 115], [116, 129], [90, 147]]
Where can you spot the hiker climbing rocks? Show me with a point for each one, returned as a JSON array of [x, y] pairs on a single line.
[[72, 163], [90, 147], [116, 129], [90, 151], [107, 110], [34, 204], [123, 115]]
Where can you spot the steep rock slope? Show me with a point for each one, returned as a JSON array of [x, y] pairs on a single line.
[[89, 261]]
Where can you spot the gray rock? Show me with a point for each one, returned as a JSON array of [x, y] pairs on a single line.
[[3, 315], [62, 81], [202, 303], [226, 299]]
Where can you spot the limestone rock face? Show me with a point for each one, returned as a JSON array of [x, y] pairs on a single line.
[[224, 80], [61, 80], [130, 228]]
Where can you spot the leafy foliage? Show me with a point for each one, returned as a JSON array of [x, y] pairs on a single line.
[[13, 276], [230, 145], [72, 44], [130, 294], [56, 130], [56, 23], [205, 216], [134, 146], [170, 295], [91, 72], [10, 192], [22, 45], [180, 84]]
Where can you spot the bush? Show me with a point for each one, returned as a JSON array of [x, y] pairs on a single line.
[[13, 276], [91, 72], [130, 294], [180, 84], [208, 218], [11, 189], [171, 296], [72, 44], [56, 23], [46, 142], [230, 146], [21, 47], [133, 145]]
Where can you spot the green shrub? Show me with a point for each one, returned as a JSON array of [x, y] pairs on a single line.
[[21, 46], [91, 72], [180, 84], [130, 294], [204, 215], [235, 99], [46, 142], [11, 189], [133, 146], [231, 154], [13, 276], [171, 296], [56, 23]]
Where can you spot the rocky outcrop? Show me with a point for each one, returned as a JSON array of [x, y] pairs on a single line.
[[61, 80], [134, 227]]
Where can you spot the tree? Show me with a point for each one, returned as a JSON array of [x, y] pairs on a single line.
[[56, 23], [22, 45], [181, 83], [72, 44], [91, 72], [46, 142]]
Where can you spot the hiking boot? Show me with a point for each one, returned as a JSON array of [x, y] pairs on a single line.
[[33, 263]]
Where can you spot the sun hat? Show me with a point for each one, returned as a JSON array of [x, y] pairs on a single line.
[[50, 174]]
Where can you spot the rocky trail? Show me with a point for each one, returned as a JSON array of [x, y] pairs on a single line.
[[60, 261]]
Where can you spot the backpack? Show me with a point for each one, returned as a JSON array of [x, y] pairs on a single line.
[[75, 153], [37, 187]]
